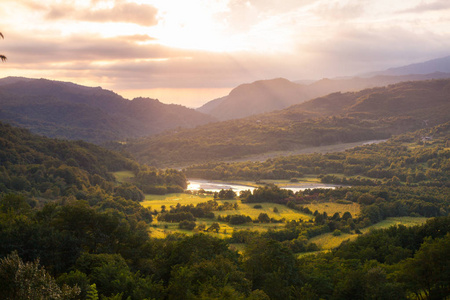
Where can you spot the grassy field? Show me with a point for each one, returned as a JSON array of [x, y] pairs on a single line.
[[155, 201], [327, 241], [331, 208], [161, 229]]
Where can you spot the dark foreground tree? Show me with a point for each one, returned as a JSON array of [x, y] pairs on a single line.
[[19, 280]]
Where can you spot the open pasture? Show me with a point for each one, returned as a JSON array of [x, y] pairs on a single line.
[[332, 207], [162, 229], [328, 241]]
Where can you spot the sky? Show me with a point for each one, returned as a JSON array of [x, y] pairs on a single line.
[[191, 51]]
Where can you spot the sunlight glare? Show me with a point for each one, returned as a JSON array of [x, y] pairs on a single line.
[[193, 25]]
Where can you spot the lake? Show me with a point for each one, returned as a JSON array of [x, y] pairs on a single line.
[[216, 186]]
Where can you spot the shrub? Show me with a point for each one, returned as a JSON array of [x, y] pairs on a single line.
[[337, 232], [188, 225]]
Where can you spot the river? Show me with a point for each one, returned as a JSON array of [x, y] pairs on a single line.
[[216, 186]]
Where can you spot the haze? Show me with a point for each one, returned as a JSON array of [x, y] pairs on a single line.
[[190, 52]]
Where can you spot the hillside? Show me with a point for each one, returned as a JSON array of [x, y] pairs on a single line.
[[269, 95], [47, 168], [415, 158], [337, 118], [70, 111], [255, 98]]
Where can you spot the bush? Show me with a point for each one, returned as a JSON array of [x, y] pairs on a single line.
[[188, 225], [337, 232], [257, 206], [239, 219], [176, 217]]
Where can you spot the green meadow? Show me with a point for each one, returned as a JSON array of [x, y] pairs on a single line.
[[328, 241], [162, 229], [332, 207]]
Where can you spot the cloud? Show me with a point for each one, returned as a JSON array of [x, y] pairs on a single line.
[[338, 10], [137, 38], [353, 50], [28, 49], [432, 6], [141, 14], [127, 64], [32, 4], [267, 6], [242, 15]]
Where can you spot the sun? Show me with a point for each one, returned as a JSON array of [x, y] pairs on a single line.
[[194, 25]]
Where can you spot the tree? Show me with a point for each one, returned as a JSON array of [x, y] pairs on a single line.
[[427, 274], [19, 280], [214, 227], [2, 57], [272, 268], [263, 218]]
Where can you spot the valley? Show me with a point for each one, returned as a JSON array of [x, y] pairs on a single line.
[[338, 188], [224, 150]]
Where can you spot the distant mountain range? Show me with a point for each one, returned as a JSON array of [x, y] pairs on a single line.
[[71, 111], [441, 65], [269, 95], [369, 114]]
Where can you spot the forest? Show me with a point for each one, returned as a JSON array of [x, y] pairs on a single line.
[[413, 159], [70, 230]]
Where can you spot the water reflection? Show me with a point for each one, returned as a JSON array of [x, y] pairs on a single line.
[[216, 186]]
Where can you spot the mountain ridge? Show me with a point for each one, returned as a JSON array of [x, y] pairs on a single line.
[[72, 111], [441, 64], [264, 95]]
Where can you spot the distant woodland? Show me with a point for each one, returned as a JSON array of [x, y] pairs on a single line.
[[337, 118]]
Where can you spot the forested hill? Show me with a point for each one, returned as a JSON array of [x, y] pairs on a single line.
[[370, 114], [47, 169], [70, 111]]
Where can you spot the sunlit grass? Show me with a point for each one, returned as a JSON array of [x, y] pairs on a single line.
[[162, 229], [328, 241], [407, 221], [332, 207], [156, 201]]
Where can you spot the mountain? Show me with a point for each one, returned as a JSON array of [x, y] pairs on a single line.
[[255, 98], [326, 86], [441, 65], [71, 111], [370, 114], [269, 95]]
